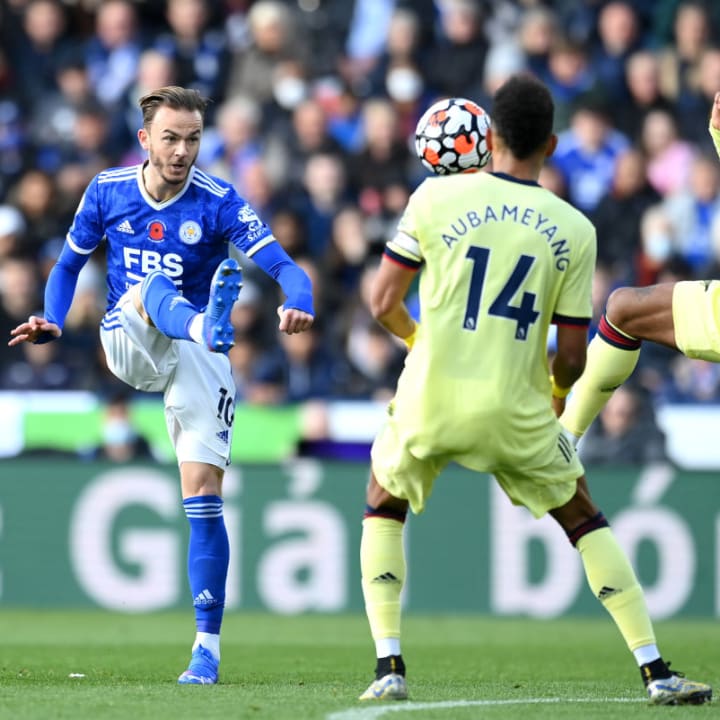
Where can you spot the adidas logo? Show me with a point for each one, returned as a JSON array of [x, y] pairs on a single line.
[[125, 227], [224, 435], [387, 577], [204, 598], [606, 592]]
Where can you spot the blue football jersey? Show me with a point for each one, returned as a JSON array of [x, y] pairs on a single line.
[[186, 236]]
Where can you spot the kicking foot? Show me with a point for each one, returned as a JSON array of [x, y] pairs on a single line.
[[225, 287]]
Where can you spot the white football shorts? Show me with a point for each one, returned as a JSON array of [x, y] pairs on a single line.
[[197, 385]]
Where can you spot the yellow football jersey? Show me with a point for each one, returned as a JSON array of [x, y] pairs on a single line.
[[500, 260]]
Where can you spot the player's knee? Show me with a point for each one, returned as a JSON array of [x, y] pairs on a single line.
[[620, 307]]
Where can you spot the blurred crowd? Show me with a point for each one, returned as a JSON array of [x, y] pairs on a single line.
[[314, 104]]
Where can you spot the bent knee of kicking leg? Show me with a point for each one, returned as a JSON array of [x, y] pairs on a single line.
[[620, 308]]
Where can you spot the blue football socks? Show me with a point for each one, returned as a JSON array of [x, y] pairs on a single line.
[[170, 312], [208, 559]]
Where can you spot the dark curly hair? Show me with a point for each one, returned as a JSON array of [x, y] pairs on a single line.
[[522, 114]]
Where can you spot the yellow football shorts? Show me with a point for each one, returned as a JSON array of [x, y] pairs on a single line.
[[696, 316], [538, 487]]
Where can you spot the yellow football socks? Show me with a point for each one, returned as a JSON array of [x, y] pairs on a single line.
[[609, 365], [382, 563], [613, 582]]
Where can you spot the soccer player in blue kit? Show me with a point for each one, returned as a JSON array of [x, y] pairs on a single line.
[[171, 287]]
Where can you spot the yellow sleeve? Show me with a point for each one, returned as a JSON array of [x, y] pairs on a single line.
[[715, 135]]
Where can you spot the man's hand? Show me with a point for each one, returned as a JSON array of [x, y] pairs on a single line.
[[293, 320], [558, 405], [33, 330], [715, 113]]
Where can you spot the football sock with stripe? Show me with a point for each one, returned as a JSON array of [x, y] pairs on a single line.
[[208, 560], [170, 312], [382, 563], [611, 358], [613, 581]]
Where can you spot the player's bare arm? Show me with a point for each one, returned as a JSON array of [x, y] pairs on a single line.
[[31, 330], [387, 301], [569, 360]]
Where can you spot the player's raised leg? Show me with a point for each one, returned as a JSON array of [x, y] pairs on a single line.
[[632, 315], [178, 318], [613, 581], [382, 563]]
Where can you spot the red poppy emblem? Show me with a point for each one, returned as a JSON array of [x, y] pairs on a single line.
[[156, 230]]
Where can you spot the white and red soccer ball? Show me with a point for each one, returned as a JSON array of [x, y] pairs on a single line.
[[450, 137]]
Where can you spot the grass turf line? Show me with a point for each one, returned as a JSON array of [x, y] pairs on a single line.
[[314, 666]]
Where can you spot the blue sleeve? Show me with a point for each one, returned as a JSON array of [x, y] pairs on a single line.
[[61, 284], [292, 279]]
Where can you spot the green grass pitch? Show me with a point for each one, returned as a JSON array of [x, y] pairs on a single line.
[[314, 666]]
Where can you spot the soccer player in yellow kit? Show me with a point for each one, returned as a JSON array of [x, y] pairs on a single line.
[[500, 259], [682, 315]]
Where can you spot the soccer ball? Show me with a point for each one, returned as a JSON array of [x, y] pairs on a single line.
[[450, 137]]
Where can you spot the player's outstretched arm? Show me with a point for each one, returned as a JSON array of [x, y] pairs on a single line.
[[36, 329]]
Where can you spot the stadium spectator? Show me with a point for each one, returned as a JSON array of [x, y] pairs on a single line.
[[625, 433], [51, 124], [36, 52], [642, 77], [571, 79], [501, 363], [669, 156], [452, 62], [273, 39], [538, 33], [234, 142], [693, 112], [35, 196], [402, 47], [160, 336], [19, 291], [658, 244], [113, 52], [121, 441], [679, 60], [619, 35], [693, 210], [198, 50], [384, 160], [324, 191], [587, 153], [288, 148], [617, 215], [299, 368], [12, 232]]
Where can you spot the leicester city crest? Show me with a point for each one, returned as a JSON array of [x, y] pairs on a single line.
[[190, 232]]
